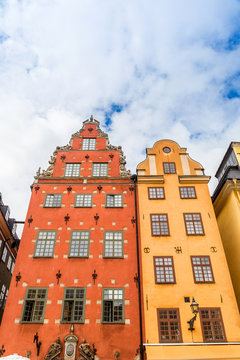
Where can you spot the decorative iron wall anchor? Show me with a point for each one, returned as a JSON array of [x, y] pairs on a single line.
[[69, 189], [58, 276], [133, 220], [96, 217], [37, 188], [38, 343], [18, 278], [178, 249], [66, 218], [2, 351], [94, 276], [99, 188], [30, 220]]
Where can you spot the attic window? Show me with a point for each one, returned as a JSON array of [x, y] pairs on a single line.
[[166, 149]]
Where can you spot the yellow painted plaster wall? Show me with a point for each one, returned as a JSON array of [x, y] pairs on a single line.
[[229, 225], [219, 294]]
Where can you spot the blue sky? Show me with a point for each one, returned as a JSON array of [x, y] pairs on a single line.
[[146, 70]]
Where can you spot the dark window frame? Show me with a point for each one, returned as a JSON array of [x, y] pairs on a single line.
[[34, 301], [164, 266], [169, 170], [114, 206], [187, 187], [88, 145], [185, 222], [167, 222], [113, 241], [202, 266], [38, 240], [178, 321], [83, 194], [156, 198], [71, 175], [211, 320], [74, 300], [79, 240], [53, 206], [100, 163], [122, 321]]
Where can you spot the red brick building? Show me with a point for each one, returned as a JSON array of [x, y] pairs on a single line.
[[78, 254]]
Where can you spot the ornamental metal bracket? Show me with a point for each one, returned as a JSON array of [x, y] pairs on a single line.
[[38, 343], [37, 188], [96, 217], [30, 220], [133, 220], [131, 188], [58, 276], [94, 276], [66, 218], [99, 187], [18, 278], [2, 351], [178, 249], [69, 189]]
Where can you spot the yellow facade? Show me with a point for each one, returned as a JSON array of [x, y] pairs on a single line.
[[227, 208], [179, 246]]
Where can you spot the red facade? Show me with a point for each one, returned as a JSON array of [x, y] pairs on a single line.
[[80, 224]]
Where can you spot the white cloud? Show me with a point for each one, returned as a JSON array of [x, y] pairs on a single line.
[[166, 63]]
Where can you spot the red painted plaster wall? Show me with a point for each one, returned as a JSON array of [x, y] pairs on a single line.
[[41, 272]]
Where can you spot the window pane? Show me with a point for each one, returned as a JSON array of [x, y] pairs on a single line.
[[73, 305], [83, 200], [45, 244], [79, 244], [100, 169], [112, 305], [34, 305], [113, 244], [88, 144], [156, 193], [72, 169]]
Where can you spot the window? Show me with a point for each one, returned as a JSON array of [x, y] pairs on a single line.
[[187, 192], [72, 169], [89, 144], [4, 255], [114, 200], [100, 169], [156, 193], [202, 269], [113, 244], [12, 268], [112, 305], [212, 324], [164, 270], [74, 305], [83, 200], [2, 294], [45, 244], [79, 246], [169, 168], [34, 305], [9, 263], [193, 223], [169, 325], [53, 200], [159, 223]]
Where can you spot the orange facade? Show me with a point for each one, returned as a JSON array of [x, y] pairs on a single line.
[[80, 224]]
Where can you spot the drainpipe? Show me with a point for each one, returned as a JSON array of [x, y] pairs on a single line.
[[134, 179]]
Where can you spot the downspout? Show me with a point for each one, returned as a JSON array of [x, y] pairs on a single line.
[[134, 179]]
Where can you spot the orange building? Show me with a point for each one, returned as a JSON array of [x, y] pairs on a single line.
[[78, 256], [190, 311]]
